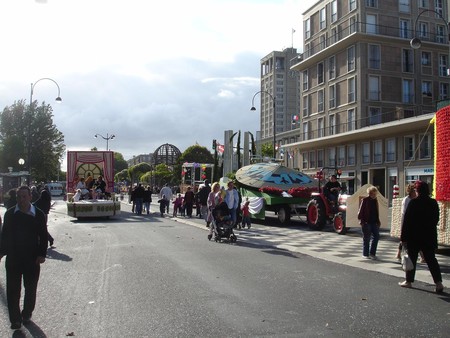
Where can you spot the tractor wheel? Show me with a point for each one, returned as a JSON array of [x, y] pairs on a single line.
[[339, 224], [315, 214], [284, 215]]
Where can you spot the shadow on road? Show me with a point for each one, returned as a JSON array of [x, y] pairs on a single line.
[[54, 254]]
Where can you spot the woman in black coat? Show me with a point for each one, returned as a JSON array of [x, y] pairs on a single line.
[[44, 203], [419, 233]]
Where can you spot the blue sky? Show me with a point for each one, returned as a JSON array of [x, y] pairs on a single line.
[[178, 72]]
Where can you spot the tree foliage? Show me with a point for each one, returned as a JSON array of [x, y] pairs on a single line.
[[267, 150], [119, 163], [30, 134], [135, 172]]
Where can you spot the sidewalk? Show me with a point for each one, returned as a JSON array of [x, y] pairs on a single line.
[[329, 246]]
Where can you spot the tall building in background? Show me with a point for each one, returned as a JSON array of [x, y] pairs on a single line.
[[366, 96], [283, 84]]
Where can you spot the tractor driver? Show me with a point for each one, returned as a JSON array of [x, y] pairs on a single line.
[[332, 189]]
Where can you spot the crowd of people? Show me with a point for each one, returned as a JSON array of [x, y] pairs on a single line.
[[24, 236], [90, 188]]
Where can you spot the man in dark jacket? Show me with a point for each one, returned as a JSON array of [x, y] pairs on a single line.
[[24, 243], [203, 199], [369, 218], [419, 233]]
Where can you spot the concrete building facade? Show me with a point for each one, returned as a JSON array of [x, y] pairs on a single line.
[[366, 96]]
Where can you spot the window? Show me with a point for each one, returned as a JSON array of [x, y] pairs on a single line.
[[390, 150], [404, 6], [351, 90], [407, 60], [305, 80], [320, 158], [365, 154], [323, 18], [352, 25], [424, 3], [426, 59], [443, 91], [351, 154], [374, 88], [440, 34], [332, 95], [331, 68], [334, 13], [332, 124], [423, 30], [377, 151], [371, 24], [322, 42], [306, 106], [426, 88], [425, 147], [351, 58], [352, 5], [305, 131], [341, 156], [321, 127], [307, 28], [331, 157], [305, 160], [409, 145], [408, 91], [374, 57], [320, 101], [443, 62], [374, 115], [312, 159], [404, 29], [320, 72], [372, 3], [351, 119], [334, 35], [438, 7]]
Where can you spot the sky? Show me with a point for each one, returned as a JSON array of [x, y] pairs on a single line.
[[149, 72]]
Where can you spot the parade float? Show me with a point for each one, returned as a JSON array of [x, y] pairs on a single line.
[[273, 187], [84, 164], [441, 183]]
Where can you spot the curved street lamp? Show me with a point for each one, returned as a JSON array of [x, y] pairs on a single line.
[[274, 118], [107, 138], [58, 99], [415, 41]]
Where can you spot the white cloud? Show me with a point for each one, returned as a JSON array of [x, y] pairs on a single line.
[[149, 72]]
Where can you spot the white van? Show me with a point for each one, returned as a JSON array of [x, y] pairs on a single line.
[[56, 189]]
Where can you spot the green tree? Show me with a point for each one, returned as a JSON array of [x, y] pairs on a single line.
[[121, 176], [162, 174], [32, 137], [119, 163], [135, 172], [267, 150]]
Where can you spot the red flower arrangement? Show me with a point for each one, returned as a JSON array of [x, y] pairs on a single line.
[[271, 190], [302, 192], [442, 154]]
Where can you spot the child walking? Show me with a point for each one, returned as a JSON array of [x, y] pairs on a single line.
[[177, 204], [246, 214]]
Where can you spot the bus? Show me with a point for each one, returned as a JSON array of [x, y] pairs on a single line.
[[55, 188]]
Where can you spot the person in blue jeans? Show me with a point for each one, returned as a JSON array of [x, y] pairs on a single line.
[[369, 218]]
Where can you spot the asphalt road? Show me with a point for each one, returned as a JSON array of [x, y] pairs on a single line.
[[147, 276]]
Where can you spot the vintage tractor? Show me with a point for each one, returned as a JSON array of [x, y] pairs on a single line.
[[320, 210]]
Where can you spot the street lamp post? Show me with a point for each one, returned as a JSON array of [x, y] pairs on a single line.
[[107, 138], [415, 42], [274, 118], [58, 99]]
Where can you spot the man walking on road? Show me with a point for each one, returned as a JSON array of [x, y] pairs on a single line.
[[24, 243], [167, 193], [203, 198]]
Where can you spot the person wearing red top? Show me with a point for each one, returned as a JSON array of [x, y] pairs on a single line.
[[246, 214]]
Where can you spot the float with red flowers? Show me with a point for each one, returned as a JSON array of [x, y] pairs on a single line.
[[276, 188]]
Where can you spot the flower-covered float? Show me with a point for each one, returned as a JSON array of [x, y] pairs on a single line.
[[273, 187]]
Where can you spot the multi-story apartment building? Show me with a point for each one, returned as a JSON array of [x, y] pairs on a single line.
[[367, 97], [282, 84]]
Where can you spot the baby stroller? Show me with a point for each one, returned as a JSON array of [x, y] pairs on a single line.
[[222, 224]]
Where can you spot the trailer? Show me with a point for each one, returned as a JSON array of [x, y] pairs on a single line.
[[275, 188], [84, 164]]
